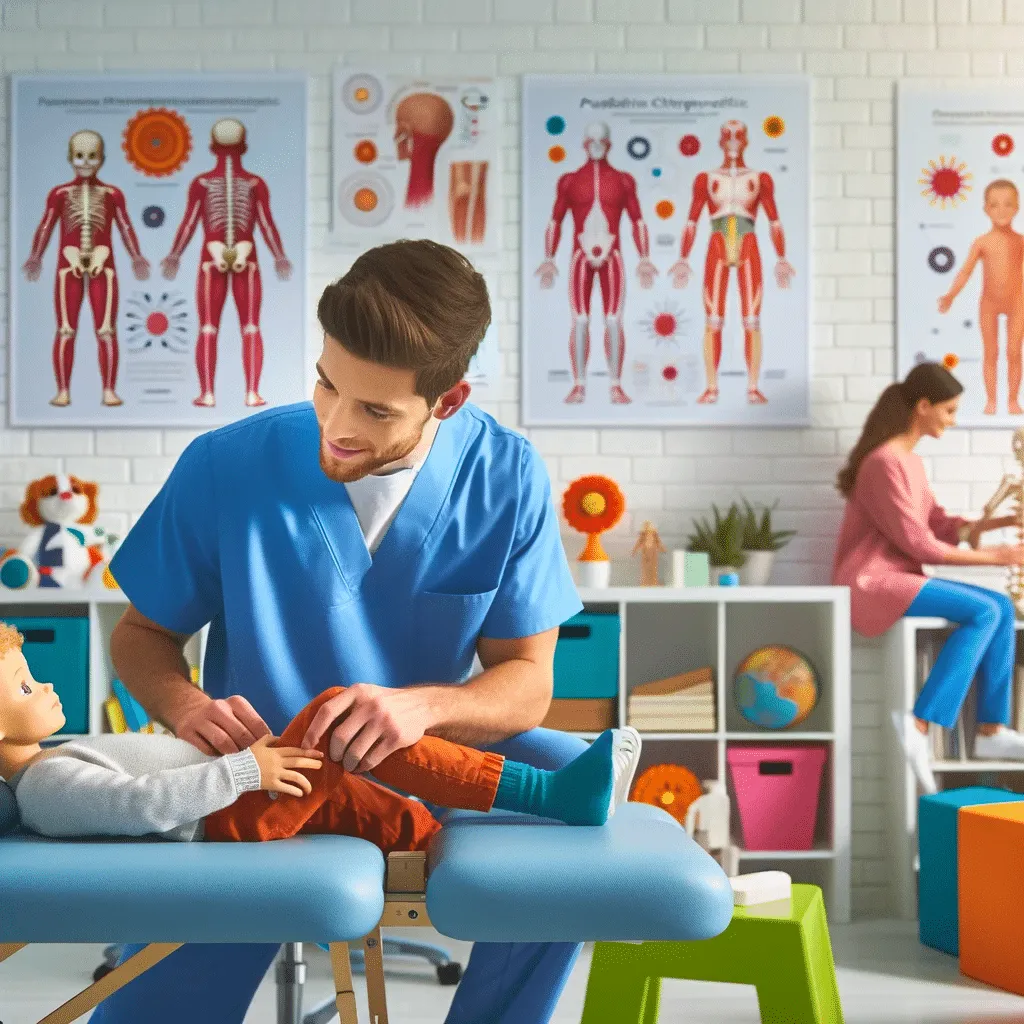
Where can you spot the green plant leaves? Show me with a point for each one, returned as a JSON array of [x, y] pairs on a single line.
[[759, 535]]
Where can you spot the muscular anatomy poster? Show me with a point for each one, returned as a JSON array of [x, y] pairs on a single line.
[[666, 268], [416, 158], [158, 236], [960, 289]]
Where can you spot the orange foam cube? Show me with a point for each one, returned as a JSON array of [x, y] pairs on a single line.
[[991, 881]]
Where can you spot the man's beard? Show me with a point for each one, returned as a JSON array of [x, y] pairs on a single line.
[[349, 470]]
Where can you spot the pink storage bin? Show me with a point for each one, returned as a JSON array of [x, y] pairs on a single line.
[[777, 791]]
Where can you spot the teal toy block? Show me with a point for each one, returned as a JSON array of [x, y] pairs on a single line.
[[938, 889], [696, 569], [587, 656]]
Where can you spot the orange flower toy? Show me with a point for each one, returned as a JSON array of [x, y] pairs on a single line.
[[593, 505]]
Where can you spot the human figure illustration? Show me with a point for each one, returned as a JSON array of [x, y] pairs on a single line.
[[423, 121], [230, 201], [87, 210], [597, 194], [1001, 254], [733, 193]]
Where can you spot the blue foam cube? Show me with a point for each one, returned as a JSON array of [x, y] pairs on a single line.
[[938, 889]]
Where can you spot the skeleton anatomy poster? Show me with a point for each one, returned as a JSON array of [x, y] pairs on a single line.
[[666, 265], [158, 237], [960, 291], [416, 158]]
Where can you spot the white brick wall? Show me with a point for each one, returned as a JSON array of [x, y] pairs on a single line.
[[854, 48]]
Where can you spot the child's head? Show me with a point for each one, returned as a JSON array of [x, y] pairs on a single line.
[[1002, 201], [29, 711]]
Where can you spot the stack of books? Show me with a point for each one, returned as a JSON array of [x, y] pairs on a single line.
[[683, 703]]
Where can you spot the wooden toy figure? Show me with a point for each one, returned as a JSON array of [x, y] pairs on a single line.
[[648, 546], [1010, 487]]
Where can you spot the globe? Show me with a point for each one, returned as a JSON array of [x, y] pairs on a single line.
[[775, 687]]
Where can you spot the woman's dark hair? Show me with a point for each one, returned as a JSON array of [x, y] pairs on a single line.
[[891, 414]]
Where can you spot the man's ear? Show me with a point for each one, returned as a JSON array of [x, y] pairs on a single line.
[[452, 400]]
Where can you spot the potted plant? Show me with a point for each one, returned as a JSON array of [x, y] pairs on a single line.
[[759, 544], [722, 540]]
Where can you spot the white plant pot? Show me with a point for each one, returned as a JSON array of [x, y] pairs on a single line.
[[594, 574], [757, 569]]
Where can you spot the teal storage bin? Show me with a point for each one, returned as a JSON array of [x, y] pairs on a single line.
[[587, 656], [57, 651]]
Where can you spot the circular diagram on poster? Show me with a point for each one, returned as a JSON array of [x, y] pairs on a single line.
[[157, 321], [366, 200], [365, 151], [774, 127], [638, 147], [157, 142], [941, 259], [1002, 145], [362, 94], [689, 145], [153, 216], [555, 125]]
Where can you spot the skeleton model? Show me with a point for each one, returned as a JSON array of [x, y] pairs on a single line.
[[1012, 487], [732, 194], [597, 195], [87, 210], [231, 202]]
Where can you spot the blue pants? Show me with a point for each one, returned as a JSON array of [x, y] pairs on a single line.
[[504, 983], [984, 644]]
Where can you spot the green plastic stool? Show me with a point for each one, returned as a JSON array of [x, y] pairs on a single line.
[[782, 948]]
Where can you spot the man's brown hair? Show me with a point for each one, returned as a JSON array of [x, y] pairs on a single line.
[[413, 305]]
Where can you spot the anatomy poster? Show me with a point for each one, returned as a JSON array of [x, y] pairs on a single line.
[[416, 158], [666, 265], [158, 237], [485, 369], [960, 291]]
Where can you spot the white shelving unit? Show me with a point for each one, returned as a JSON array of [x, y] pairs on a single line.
[[667, 630], [902, 646], [663, 631]]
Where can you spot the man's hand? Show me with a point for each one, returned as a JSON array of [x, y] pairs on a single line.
[[279, 767], [222, 726], [375, 722]]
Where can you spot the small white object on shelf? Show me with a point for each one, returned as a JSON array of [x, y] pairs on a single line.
[[594, 573], [761, 887]]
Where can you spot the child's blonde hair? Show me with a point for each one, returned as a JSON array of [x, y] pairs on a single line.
[[1000, 183], [10, 639]]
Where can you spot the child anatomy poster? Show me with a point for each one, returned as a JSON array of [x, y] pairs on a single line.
[[158, 238], [666, 265], [416, 158], [960, 289]]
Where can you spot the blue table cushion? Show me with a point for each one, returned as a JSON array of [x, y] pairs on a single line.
[[9, 818], [307, 889], [512, 878]]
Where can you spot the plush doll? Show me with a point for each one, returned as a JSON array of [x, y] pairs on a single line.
[[64, 546]]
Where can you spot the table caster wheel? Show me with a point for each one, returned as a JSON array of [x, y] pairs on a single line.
[[449, 973]]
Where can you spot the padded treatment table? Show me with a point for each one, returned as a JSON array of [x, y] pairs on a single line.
[[492, 877]]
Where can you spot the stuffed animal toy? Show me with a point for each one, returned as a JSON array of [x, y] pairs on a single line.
[[64, 545]]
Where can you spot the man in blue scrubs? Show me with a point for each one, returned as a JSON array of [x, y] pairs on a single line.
[[377, 539]]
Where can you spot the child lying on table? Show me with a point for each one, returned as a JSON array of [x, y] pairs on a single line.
[[134, 784]]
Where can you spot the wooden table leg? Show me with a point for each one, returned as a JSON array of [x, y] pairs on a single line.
[[374, 960], [345, 996], [92, 996]]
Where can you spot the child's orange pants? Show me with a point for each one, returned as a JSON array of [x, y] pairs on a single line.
[[443, 773]]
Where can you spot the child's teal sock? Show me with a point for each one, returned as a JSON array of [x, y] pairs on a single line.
[[578, 794]]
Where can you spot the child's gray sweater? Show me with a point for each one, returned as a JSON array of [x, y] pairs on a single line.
[[129, 784]]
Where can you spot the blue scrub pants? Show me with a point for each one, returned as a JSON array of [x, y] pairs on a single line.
[[984, 644], [504, 983]]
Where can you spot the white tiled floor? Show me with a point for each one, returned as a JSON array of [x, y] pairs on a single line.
[[885, 977]]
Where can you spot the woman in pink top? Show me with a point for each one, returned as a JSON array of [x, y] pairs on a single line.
[[893, 527]]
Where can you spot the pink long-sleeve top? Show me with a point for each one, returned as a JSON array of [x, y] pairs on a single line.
[[892, 528]]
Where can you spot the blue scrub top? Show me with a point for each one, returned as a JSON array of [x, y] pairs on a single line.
[[249, 535]]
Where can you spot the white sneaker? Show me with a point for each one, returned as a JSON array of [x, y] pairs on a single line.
[[916, 747], [626, 744], [1004, 745]]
